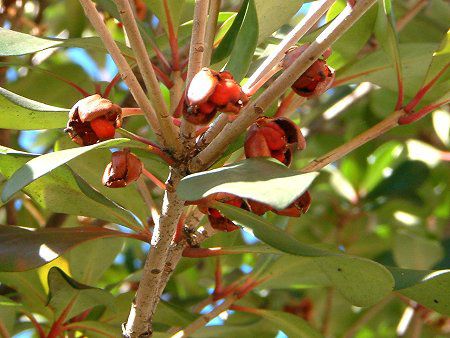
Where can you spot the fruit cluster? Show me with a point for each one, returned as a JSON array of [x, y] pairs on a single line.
[[267, 137], [210, 92], [94, 119], [317, 79]]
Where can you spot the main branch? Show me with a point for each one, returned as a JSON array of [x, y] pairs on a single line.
[[139, 322]]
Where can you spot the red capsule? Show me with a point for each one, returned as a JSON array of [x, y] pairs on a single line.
[[123, 169], [298, 207]]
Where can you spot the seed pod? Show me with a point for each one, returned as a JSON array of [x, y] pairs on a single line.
[[209, 92], [258, 208], [123, 169], [273, 137], [93, 119], [298, 207], [316, 79]]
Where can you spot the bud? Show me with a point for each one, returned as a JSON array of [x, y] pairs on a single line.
[[93, 119], [123, 169], [274, 137], [209, 92], [298, 207], [316, 79]]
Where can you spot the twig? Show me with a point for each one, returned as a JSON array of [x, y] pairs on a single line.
[[195, 61], [366, 316], [410, 14], [168, 131], [3, 331], [211, 26], [205, 319], [139, 322], [328, 309], [380, 128], [125, 70], [173, 38], [255, 108], [153, 178]]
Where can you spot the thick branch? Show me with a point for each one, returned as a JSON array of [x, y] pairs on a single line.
[[195, 60], [255, 108], [125, 70], [168, 130], [139, 322]]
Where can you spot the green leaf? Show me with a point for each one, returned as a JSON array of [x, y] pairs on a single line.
[[291, 325], [260, 179], [272, 14], [346, 48], [377, 68], [245, 44], [14, 43], [96, 329], [415, 252], [429, 288], [175, 8], [69, 296], [90, 260], [17, 112], [379, 161], [386, 35], [403, 182], [59, 191], [225, 47], [32, 293], [44, 164], [90, 167], [24, 248], [8, 312], [440, 60], [361, 281]]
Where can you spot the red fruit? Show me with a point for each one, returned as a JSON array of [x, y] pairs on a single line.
[[299, 207], [103, 128], [221, 95], [206, 108], [275, 138]]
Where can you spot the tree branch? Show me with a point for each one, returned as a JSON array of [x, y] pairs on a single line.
[[168, 130], [380, 128], [211, 26], [125, 70], [256, 107], [195, 61], [139, 322]]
